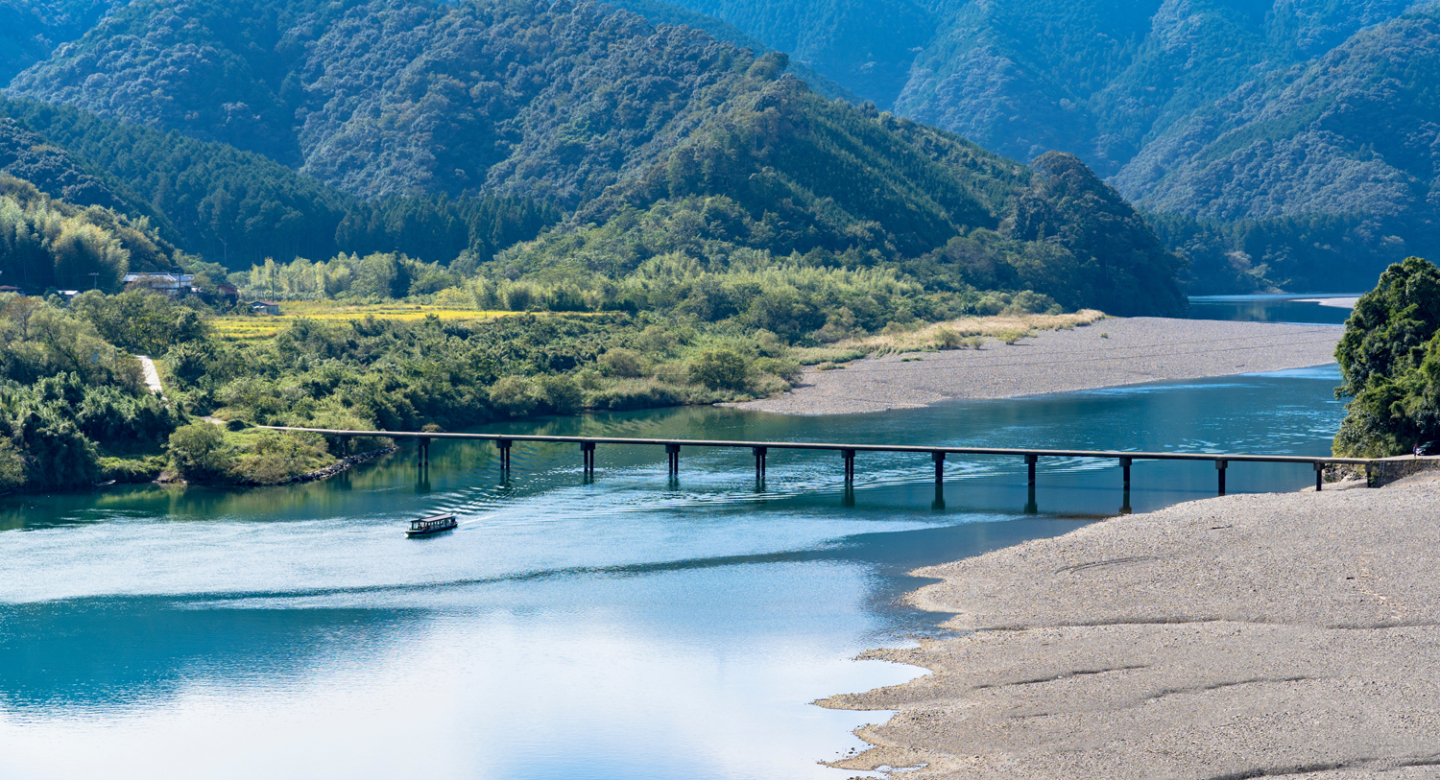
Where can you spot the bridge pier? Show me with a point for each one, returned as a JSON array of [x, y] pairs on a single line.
[[939, 458], [672, 457], [504, 446], [1125, 476], [849, 458], [1220, 466], [760, 453], [1319, 476], [422, 452], [1030, 461], [587, 455]]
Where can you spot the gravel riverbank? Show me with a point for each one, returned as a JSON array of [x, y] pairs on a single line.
[[1106, 354], [1293, 635]]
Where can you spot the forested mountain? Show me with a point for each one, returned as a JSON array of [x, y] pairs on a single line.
[[291, 127], [31, 29], [237, 208], [1277, 136], [405, 97]]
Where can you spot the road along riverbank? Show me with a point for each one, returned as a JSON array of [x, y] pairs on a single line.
[[1292, 635], [1108, 353]]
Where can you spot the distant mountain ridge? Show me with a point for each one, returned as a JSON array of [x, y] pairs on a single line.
[[1221, 111], [625, 125]]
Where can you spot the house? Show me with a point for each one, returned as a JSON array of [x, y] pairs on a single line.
[[162, 282], [265, 307]]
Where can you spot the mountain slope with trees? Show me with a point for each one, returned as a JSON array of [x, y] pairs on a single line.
[[1237, 122], [419, 107]]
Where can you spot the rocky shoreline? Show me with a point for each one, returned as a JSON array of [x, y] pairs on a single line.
[[343, 465]]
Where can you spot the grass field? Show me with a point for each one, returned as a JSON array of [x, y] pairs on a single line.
[[261, 327]]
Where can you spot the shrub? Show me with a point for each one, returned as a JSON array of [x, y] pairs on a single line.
[[131, 471], [946, 338], [787, 370], [274, 458], [12, 466], [561, 394], [1011, 336], [623, 363], [644, 394], [199, 452], [720, 369], [513, 396]]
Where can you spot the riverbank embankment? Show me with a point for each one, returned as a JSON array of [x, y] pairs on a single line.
[[1293, 635], [1108, 353]]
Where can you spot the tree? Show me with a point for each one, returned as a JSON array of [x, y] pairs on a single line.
[[1390, 364], [198, 451], [720, 369]]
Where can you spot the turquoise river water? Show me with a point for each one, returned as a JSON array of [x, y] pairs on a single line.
[[628, 628]]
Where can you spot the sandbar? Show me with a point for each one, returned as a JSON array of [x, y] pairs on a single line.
[[1108, 353], [1276, 635]]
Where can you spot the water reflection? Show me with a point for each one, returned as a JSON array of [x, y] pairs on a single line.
[[1328, 308], [636, 624]]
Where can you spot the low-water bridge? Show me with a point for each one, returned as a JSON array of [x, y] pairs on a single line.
[[760, 449]]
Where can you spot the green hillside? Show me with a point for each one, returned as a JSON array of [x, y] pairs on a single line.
[[407, 112], [1238, 123]]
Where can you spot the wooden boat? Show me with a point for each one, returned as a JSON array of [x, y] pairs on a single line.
[[434, 524]]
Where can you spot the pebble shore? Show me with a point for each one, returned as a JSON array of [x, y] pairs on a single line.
[[1109, 353], [1275, 635]]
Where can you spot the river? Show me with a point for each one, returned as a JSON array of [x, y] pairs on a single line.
[[632, 627]]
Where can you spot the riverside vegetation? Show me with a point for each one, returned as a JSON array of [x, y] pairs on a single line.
[[1390, 363], [585, 211], [76, 409]]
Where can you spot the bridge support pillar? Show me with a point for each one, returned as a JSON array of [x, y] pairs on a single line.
[[1220, 466], [587, 454], [849, 457], [1369, 475], [760, 453], [1030, 461], [939, 458], [504, 446], [1319, 476], [1125, 473], [422, 452], [672, 457]]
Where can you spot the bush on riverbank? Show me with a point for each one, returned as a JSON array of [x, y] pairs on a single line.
[[1390, 364]]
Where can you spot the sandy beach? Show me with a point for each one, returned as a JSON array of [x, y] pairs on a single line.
[[1108, 353], [1293, 635]]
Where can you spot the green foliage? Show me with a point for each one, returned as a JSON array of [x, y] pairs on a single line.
[[1390, 364], [199, 453], [514, 396], [133, 470], [12, 466], [143, 323], [237, 208], [561, 394], [720, 369], [51, 243], [276, 457], [663, 140], [623, 363]]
